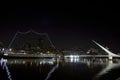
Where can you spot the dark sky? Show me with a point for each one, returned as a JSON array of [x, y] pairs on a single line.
[[66, 27]]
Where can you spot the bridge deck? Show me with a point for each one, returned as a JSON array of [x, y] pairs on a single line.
[[89, 56]]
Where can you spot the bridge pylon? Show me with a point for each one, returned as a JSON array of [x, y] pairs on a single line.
[[110, 54]]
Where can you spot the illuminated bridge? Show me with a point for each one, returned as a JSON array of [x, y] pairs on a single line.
[[109, 54], [31, 43]]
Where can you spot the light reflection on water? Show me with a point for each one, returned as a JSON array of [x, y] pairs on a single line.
[[5, 67], [31, 61], [51, 69]]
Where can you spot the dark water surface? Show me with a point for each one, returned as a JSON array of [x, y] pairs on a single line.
[[51, 69]]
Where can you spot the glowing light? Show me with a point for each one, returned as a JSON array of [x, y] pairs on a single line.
[[48, 51], [73, 58], [10, 49], [3, 49], [110, 57], [46, 62], [5, 54]]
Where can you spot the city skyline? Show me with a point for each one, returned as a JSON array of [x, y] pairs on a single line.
[[66, 27]]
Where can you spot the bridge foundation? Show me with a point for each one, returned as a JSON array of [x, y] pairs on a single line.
[[110, 57]]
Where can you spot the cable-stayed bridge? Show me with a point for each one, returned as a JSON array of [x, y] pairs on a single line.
[[109, 54], [30, 40], [32, 43]]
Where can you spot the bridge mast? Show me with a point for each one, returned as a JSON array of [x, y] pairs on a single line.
[[110, 54]]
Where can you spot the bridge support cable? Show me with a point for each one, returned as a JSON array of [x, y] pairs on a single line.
[[13, 39], [110, 54], [32, 31], [51, 42]]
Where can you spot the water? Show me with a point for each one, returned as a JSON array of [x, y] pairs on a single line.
[[51, 69]]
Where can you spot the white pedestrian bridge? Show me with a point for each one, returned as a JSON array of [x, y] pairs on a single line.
[[109, 54]]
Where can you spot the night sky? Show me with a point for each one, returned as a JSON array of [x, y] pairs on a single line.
[[66, 27]]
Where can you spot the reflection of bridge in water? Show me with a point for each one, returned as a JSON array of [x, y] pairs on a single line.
[[52, 63], [110, 72], [3, 64]]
